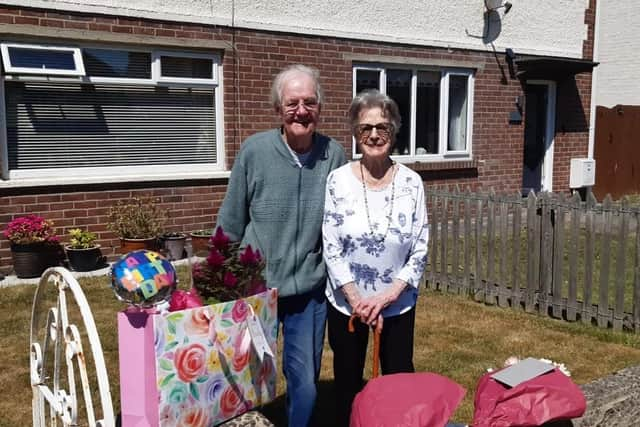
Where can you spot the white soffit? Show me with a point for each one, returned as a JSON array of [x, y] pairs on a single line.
[[542, 27]]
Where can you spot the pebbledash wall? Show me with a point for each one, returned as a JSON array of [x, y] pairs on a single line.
[[254, 46]]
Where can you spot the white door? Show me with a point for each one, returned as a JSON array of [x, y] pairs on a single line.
[[539, 132]]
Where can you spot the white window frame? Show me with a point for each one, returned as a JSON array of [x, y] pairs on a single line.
[[119, 173], [120, 80], [443, 153], [9, 68], [156, 67], [547, 162]]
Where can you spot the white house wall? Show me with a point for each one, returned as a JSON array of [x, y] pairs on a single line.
[[618, 74], [543, 27]]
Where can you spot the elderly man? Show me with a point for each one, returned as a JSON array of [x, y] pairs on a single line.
[[275, 202]]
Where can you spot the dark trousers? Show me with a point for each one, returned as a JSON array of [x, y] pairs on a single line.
[[350, 351]]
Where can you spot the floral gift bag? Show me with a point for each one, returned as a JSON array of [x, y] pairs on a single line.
[[200, 366]]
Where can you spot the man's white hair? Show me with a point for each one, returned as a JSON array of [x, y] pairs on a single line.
[[287, 73]]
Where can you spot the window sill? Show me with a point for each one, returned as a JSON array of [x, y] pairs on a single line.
[[441, 165], [48, 182]]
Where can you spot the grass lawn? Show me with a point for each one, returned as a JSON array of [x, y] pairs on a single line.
[[455, 337]]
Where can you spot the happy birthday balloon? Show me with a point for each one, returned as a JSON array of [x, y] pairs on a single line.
[[143, 278]]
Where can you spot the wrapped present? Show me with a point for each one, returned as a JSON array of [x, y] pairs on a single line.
[[536, 398], [199, 366]]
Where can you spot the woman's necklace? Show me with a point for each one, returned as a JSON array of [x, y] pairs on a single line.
[[366, 203]]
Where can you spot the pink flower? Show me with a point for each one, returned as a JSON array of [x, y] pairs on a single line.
[[181, 300], [220, 240], [215, 258], [30, 229], [198, 272], [248, 257], [230, 280], [199, 323], [239, 311]]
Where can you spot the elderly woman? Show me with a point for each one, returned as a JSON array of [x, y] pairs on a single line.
[[375, 240]]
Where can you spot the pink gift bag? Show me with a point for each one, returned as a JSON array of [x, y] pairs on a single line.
[[199, 366]]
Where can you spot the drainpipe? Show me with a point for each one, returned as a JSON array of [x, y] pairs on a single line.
[[594, 80]]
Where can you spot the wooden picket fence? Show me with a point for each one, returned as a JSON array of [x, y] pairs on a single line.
[[547, 253]]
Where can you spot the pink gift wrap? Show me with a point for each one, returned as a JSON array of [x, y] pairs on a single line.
[[196, 367]]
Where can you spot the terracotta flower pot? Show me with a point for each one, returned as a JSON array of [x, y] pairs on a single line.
[[130, 245], [32, 259], [200, 242]]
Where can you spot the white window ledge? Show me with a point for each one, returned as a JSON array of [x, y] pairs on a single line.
[[42, 182]]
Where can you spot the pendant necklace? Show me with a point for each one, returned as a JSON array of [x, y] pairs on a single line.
[[366, 203]]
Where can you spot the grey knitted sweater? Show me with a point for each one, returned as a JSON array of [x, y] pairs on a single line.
[[277, 206]]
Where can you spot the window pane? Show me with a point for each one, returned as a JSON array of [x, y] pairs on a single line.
[[399, 89], [190, 68], [117, 63], [42, 58], [457, 139], [428, 112], [367, 79], [65, 125]]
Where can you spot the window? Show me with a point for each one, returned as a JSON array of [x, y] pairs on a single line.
[[172, 67], [435, 106], [134, 112], [36, 59]]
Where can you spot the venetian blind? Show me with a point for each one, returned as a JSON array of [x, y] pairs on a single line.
[[64, 125]]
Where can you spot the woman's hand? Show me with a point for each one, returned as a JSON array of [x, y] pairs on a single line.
[[369, 309], [352, 295]]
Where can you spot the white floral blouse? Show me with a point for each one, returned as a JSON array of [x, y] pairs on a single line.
[[396, 249]]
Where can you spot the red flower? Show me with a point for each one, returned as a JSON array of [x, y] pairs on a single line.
[[190, 362], [230, 280], [229, 272], [248, 257], [220, 240], [257, 286], [215, 258], [231, 402], [181, 300]]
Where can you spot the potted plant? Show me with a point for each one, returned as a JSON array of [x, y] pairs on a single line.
[[200, 241], [174, 244], [34, 245], [137, 222], [83, 252]]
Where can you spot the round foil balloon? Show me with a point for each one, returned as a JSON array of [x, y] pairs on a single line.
[[143, 278]]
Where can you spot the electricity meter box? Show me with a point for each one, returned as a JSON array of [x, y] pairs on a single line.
[[582, 173]]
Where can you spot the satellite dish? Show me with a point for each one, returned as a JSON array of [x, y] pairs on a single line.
[[493, 5]]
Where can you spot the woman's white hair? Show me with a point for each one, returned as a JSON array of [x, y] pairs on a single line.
[[284, 75], [373, 98]]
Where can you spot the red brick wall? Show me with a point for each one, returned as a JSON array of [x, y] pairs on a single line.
[[248, 71]]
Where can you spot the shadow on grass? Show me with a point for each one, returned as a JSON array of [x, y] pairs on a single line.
[[324, 414]]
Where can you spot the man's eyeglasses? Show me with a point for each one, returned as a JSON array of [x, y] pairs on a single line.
[[291, 107], [384, 130]]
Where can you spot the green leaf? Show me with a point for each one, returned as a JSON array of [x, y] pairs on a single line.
[[194, 391], [166, 365], [171, 326], [171, 345], [174, 317], [167, 379], [227, 308], [202, 379], [225, 323]]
